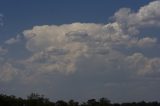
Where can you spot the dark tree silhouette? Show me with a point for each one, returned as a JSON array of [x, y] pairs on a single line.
[[92, 102], [61, 103], [104, 102], [39, 100], [73, 103]]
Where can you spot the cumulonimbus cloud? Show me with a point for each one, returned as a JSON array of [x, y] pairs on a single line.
[[56, 48]]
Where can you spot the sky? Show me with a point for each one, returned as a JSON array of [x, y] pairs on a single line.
[[81, 49]]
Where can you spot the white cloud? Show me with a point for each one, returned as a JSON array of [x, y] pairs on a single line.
[[143, 65], [146, 16], [57, 59], [149, 14], [56, 49], [41, 37]]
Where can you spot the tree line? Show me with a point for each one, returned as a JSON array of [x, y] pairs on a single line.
[[35, 99]]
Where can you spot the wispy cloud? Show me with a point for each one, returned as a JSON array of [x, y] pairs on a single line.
[[13, 40], [1, 20]]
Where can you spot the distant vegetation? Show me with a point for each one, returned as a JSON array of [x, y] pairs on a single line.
[[39, 100]]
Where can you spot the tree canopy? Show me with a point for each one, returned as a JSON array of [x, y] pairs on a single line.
[[35, 99]]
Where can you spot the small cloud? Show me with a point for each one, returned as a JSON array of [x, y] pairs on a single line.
[[13, 40], [3, 50], [147, 42]]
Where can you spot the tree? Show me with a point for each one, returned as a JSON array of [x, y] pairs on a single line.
[[72, 103], [104, 102], [38, 100], [92, 102], [60, 103]]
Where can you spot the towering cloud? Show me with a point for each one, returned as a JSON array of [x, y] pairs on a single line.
[[53, 48]]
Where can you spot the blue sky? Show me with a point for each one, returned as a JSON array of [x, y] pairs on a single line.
[[20, 15], [72, 49]]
